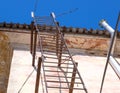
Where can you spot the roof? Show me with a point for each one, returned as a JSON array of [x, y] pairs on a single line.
[[27, 27]]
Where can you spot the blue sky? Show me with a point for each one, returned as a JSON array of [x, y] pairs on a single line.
[[85, 13]]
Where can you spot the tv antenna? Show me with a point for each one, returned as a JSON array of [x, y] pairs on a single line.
[[68, 12], [61, 14]]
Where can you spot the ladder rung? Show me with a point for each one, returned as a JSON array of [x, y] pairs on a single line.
[[57, 87], [66, 56], [57, 81], [61, 76], [66, 59], [51, 62], [49, 46], [45, 52], [48, 38], [51, 40], [51, 71], [57, 63], [49, 43], [51, 50], [58, 67], [66, 88], [49, 53], [62, 82], [51, 57], [49, 34], [57, 71]]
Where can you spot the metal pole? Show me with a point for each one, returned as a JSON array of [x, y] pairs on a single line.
[[60, 51], [31, 39], [34, 49], [110, 48], [73, 79], [38, 75]]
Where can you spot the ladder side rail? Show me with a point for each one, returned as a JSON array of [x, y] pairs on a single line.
[[38, 75], [42, 56], [31, 37]]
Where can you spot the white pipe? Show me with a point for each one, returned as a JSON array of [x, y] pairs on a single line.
[[104, 24], [115, 65]]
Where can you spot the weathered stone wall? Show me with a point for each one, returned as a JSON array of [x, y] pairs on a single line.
[[6, 53], [90, 44], [87, 42], [97, 45]]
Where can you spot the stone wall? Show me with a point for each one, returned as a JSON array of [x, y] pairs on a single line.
[[6, 53]]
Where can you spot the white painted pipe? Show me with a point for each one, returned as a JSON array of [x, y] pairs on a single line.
[[115, 65], [104, 24]]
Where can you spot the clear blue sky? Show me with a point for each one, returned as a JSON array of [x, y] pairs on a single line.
[[85, 13]]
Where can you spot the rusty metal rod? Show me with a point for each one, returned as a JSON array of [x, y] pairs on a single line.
[[57, 43], [34, 48], [31, 39], [73, 79], [38, 75], [65, 88], [52, 81], [61, 76], [60, 54]]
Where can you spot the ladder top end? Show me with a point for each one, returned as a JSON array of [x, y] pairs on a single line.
[[32, 14], [53, 15]]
